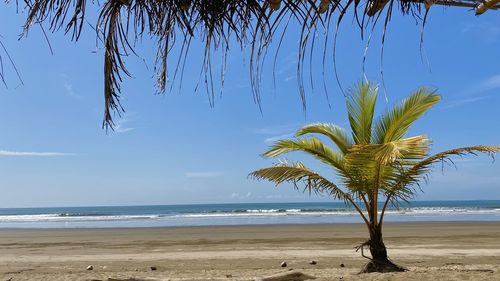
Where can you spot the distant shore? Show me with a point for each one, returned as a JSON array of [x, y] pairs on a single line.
[[431, 250]]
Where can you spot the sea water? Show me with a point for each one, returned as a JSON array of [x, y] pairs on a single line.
[[239, 214]]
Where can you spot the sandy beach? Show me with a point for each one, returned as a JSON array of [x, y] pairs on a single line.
[[431, 251]]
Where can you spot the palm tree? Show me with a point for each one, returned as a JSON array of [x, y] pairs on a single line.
[[377, 162]]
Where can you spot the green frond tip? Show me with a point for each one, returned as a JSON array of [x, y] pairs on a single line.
[[297, 173], [336, 134], [360, 109], [394, 124]]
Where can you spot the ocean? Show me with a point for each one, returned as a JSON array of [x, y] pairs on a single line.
[[239, 214]]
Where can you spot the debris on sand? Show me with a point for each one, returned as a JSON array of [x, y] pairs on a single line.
[[288, 276], [131, 279]]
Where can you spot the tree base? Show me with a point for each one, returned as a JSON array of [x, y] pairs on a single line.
[[382, 267]]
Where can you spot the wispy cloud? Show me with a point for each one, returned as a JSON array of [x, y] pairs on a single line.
[[275, 133], [488, 32], [287, 64], [33, 154], [276, 130], [121, 125], [241, 196], [464, 101], [202, 174], [477, 92], [68, 87], [491, 83], [276, 138]]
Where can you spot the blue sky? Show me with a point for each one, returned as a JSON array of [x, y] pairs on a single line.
[[174, 148]]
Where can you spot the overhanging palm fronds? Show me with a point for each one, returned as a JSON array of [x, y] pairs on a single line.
[[220, 24], [5, 52]]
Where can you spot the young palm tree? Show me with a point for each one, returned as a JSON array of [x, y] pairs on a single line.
[[376, 162]]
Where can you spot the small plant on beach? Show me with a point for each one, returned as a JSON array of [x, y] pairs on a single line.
[[375, 163]]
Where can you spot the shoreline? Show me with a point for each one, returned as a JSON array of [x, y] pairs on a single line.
[[432, 250], [387, 222], [430, 222]]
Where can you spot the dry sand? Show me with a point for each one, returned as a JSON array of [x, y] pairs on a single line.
[[431, 251]]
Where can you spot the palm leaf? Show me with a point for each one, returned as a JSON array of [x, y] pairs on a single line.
[[312, 146], [394, 124], [403, 187], [417, 172], [374, 166], [462, 151], [402, 150], [297, 173], [336, 134], [360, 110], [361, 166]]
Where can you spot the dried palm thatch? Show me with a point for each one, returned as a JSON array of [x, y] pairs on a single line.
[[249, 24]]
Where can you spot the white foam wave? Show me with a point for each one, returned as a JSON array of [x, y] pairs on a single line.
[[265, 211], [420, 211], [59, 218]]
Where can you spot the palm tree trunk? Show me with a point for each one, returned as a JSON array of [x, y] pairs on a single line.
[[379, 261], [377, 246]]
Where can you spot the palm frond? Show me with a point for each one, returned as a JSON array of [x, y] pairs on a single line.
[[312, 146], [336, 134], [115, 48], [403, 185], [407, 149], [414, 174], [374, 166], [360, 109], [462, 151], [394, 124], [297, 173], [361, 166]]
